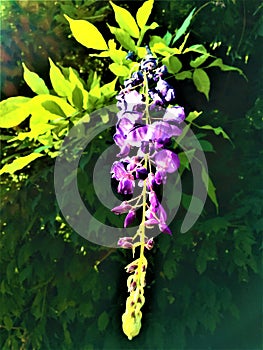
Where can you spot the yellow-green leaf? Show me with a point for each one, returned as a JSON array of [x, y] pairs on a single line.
[[201, 81], [13, 111], [33, 80], [123, 38], [60, 84], [19, 163], [119, 70], [173, 64], [144, 12], [125, 20], [87, 34]]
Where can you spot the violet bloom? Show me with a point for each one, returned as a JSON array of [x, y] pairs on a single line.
[[126, 180], [166, 91], [156, 215], [130, 217], [166, 161], [174, 114], [121, 209], [125, 242]]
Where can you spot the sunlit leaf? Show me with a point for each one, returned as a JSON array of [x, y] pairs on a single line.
[[119, 70], [183, 27], [123, 38], [33, 80], [144, 12], [199, 48], [13, 111], [224, 67], [60, 84], [192, 116], [19, 163], [173, 64], [87, 34], [198, 61], [125, 20], [187, 74], [201, 81], [217, 130]]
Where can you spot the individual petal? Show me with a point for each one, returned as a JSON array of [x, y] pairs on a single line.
[[130, 217], [149, 244], [121, 209], [118, 171], [125, 242], [170, 95], [126, 185], [167, 161], [174, 114], [154, 202], [162, 87], [160, 177], [141, 173], [165, 229]]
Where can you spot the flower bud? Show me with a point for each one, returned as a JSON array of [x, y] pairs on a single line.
[[129, 218], [123, 208], [125, 242]]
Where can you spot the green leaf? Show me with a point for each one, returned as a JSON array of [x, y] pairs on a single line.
[[33, 80], [125, 20], [77, 97], [123, 38], [224, 67], [167, 38], [193, 115], [87, 34], [199, 48], [103, 321], [144, 12], [217, 130], [19, 163], [13, 111], [211, 190], [8, 323], [183, 27], [120, 71], [201, 81], [108, 90], [173, 64], [187, 74], [198, 61], [60, 84]]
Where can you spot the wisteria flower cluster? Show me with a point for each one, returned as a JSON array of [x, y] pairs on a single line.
[[147, 120]]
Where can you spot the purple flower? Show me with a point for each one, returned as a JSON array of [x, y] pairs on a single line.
[[149, 244], [126, 180], [167, 161], [165, 90], [160, 72], [130, 217], [126, 185], [125, 242], [174, 114], [121, 209]]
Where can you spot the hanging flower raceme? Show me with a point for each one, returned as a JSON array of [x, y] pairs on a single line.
[[147, 121]]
